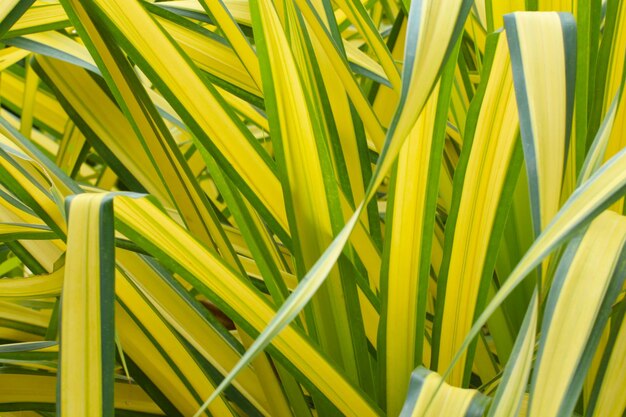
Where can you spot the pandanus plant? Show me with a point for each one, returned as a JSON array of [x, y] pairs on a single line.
[[312, 208]]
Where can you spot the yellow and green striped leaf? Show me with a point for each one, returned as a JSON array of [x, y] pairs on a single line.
[[429, 396], [589, 278], [484, 182], [87, 323], [21, 390], [545, 100], [10, 12]]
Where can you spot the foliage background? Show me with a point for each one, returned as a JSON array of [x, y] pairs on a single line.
[[312, 208]]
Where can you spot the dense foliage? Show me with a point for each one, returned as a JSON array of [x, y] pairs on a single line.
[[312, 208]]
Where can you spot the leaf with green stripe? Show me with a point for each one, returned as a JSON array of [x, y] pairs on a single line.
[[38, 286], [411, 221], [16, 231], [87, 348], [27, 390], [586, 284], [483, 187], [429, 396], [224, 20], [10, 12], [41, 16], [545, 100]]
